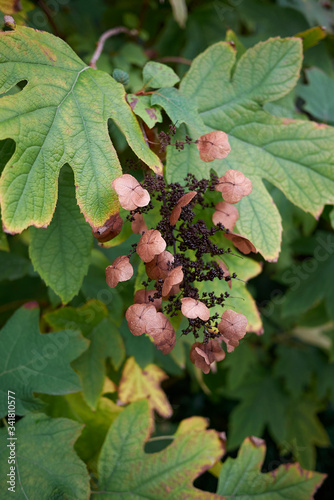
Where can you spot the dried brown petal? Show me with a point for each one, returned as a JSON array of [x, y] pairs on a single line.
[[138, 225], [226, 214], [160, 266], [162, 332], [224, 268], [192, 308], [183, 201], [119, 270], [232, 327], [233, 186], [143, 297], [175, 277], [110, 229], [130, 193], [139, 317], [203, 355], [150, 245], [241, 243], [213, 145]]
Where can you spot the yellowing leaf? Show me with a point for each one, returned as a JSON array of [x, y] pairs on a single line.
[[125, 471], [61, 116], [144, 384]]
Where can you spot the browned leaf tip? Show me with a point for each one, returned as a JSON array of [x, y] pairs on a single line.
[[183, 201], [174, 277], [160, 266], [150, 245], [226, 214], [162, 332], [233, 186], [110, 229], [213, 145], [143, 296], [138, 225], [232, 328], [119, 270], [139, 317], [241, 243], [130, 193], [203, 355], [192, 308]]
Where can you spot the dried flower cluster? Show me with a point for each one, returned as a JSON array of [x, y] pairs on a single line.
[[179, 255]]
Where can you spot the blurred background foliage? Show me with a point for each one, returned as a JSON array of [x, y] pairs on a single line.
[[280, 385]]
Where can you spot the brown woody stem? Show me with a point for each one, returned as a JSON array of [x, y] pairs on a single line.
[[104, 37]]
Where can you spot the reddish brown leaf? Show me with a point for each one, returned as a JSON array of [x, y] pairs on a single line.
[[175, 277], [139, 317], [119, 270], [162, 333], [160, 266], [110, 229], [192, 308], [143, 297], [213, 145], [130, 193], [183, 201], [150, 245], [232, 328], [233, 186], [224, 267], [241, 243], [226, 214], [138, 225], [203, 355]]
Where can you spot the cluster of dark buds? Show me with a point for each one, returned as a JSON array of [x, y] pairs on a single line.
[[180, 258]]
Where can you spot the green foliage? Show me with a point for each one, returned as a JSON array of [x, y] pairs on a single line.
[[72, 129], [62, 475], [36, 363], [86, 387], [61, 252], [242, 477], [171, 472]]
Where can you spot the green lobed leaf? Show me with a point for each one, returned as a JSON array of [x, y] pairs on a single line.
[[59, 117], [125, 470], [296, 156], [32, 362], [156, 75], [46, 464], [61, 252], [179, 108], [241, 478]]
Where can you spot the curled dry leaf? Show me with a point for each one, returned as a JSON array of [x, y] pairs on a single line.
[[233, 186], [110, 229], [213, 145], [150, 245], [139, 317], [138, 225], [232, 328], [119, 270], [203, 355], [160, 266], [192, 308], [143, 297], [183, 201], [130, 193], [175, 277], [241, 243], [224, 268], [162, 332], [226, 214]]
